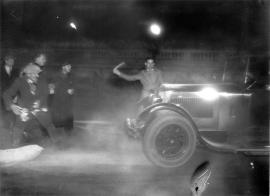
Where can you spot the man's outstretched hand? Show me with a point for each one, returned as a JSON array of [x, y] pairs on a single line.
[[115, 70]]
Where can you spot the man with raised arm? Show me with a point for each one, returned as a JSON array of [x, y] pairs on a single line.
[[150, 78]]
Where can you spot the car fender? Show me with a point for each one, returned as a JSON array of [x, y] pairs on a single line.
[[149, 113]]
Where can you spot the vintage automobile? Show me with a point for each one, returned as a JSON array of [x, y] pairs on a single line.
[[173, 122]]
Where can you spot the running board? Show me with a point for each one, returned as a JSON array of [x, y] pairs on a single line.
[[228, 148], [254, 151]]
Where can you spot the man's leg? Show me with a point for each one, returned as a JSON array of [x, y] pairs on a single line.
[[17, 132], [133, 123], [68, 126], [33, 132], [44, 119]]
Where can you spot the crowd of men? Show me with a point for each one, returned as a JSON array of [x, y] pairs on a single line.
[[34, 105]]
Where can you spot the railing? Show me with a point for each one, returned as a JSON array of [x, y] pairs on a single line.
[[104, 55]]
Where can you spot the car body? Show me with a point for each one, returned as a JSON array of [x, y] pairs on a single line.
[[175, 120], [213, 107]]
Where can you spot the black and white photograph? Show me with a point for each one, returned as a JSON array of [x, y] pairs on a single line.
[[134, 97]]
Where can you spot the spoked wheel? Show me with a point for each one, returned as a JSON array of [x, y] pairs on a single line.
[[169, 141]]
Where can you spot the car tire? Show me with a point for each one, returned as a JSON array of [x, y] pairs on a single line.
[[169, 140]]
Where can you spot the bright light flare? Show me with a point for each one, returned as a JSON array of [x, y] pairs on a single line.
[[208, 94], [72, 25], [155, 29]]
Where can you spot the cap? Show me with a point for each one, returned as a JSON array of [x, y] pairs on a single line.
[[32, 69]]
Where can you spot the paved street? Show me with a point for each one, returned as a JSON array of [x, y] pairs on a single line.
[[104, 164]]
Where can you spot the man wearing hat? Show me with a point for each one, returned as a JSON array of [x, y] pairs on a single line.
[[31, 108], [62, 100]]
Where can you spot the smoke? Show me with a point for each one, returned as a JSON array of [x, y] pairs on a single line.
[[93, 143]]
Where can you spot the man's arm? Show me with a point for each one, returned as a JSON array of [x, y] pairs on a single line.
[[9, 94], [70, 90], [160, 78], [126, 76]]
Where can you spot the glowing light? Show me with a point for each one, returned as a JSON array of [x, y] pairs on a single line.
[[72, 25], [208, 94], [225, 94], [155, 29]]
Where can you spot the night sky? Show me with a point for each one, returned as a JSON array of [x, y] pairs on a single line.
[[184, 22]]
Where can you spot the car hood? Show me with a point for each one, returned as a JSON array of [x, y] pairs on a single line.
[[221, 87]]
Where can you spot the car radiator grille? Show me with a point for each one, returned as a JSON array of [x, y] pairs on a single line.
[[196, 106]]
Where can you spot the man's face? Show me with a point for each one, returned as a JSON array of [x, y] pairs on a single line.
[[10, 62], [149, 64], [32, 72], [32, 76], [41, 60]]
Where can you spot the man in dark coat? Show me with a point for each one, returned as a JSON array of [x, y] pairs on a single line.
[[44, 76], [31, 109], [40, 60], [8, 72], [62, 101], [8, 76]]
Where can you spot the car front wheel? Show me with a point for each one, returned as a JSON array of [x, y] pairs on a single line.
[[169, 140]]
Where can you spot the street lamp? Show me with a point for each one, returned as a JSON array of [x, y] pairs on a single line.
[[73, 25], [155, 29]]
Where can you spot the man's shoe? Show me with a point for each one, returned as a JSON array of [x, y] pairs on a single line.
[[130, 123], [134, 124], [132, 128]]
